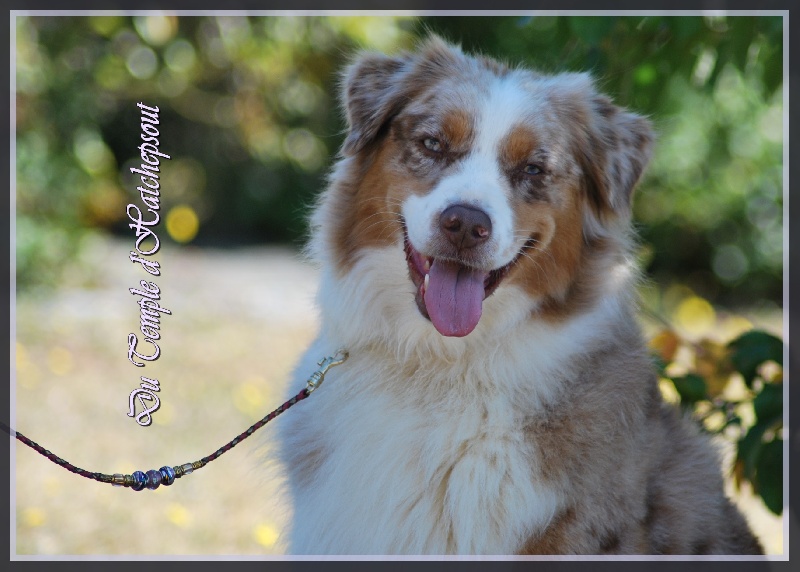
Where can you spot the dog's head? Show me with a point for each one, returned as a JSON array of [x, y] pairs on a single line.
[[488, 176]]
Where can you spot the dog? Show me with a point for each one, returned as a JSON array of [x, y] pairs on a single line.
[[475, 248]]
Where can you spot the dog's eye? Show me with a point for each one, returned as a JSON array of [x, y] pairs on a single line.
[[533, 170], [433, 144]]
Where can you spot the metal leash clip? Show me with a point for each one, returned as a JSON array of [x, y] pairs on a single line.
[[325, 364]]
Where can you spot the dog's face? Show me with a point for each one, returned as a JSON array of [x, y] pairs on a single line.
[[490, 177]]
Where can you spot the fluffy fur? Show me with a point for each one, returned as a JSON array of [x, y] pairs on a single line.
[[537, 429]]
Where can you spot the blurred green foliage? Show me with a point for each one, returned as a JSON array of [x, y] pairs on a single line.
[[249, 115], [736, 389]]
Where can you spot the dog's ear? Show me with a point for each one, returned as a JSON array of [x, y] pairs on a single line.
[[614, 151], [372, 93], [375, 87]]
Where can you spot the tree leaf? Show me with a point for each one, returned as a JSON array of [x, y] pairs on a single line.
[[753, 348], [749, 448], [768, 404], [690, 387], [769, 475]]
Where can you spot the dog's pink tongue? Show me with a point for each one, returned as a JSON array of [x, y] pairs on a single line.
[[454, 297]]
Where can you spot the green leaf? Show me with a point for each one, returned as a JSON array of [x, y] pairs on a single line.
[[769, 475], [690, 387], [749, 448], [768, 404], [753, 348]]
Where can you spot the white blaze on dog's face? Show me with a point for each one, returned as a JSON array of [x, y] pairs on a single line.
[[489, 176]]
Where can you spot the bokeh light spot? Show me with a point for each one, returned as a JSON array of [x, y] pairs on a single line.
[[178, 515], [645, 74], [298, 97], [156, 30], [249, 398], [60, 361], [182, 223], [33, 517], [27, 372], [730, 263], [105, 25], [109, 73], [179, 56], [695, 315], [142, 62], [92, 153], [266, 535], [304, 148]]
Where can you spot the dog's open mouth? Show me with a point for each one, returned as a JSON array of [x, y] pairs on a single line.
[[451, 294]]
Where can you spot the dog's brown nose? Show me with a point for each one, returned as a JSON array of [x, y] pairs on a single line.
[[465, 226]]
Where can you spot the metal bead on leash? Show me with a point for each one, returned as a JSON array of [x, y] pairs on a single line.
[[166, 475]]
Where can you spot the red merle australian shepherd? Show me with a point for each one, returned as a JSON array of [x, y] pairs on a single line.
[[475, 249]]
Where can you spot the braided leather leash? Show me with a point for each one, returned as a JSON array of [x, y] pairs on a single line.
[[166, 475]]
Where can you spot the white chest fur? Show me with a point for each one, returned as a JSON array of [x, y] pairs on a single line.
[[418, 449], [414, 475]]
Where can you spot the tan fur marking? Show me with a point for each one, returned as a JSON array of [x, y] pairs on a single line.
[[369, 215], [518, 146], [555, 540], [458, 128], [548, 268]]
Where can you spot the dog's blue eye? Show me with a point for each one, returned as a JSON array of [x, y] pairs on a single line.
[[432, 144], [533, 170]]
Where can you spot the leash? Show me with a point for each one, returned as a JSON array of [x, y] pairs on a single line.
[[166, 475]]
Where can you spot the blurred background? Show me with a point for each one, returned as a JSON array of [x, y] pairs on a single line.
[[249, 114]]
